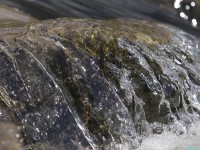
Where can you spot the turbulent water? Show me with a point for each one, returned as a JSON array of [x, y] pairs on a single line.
[[170, 141], [90, 84]]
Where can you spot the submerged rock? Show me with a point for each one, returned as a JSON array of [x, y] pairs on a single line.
[[89, 84]]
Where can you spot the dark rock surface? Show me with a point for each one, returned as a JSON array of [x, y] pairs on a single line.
[[90, 84]]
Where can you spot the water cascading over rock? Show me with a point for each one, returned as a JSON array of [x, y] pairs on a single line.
[[89, 84]]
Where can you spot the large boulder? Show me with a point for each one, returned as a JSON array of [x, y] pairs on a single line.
[[90, 84]]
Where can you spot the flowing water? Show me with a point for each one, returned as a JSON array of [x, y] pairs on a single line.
[[167, 11], [91, 84]]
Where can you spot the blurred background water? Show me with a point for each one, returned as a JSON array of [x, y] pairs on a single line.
[[184, 14]]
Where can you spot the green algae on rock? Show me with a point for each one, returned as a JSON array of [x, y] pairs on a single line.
[[94, 84]]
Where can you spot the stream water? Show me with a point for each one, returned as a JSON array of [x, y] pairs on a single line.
[[160, 10], [93, 86]]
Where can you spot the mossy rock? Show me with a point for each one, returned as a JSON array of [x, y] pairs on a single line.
[[97, 84]]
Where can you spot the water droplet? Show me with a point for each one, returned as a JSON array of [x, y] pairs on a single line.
[[193, 4], [187, 7], [177, 4], [17, 135], [194, 22], [183, 15]]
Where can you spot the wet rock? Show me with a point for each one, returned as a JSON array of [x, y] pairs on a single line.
[[98, 84]]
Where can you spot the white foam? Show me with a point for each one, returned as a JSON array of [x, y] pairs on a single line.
[[171, 141]]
